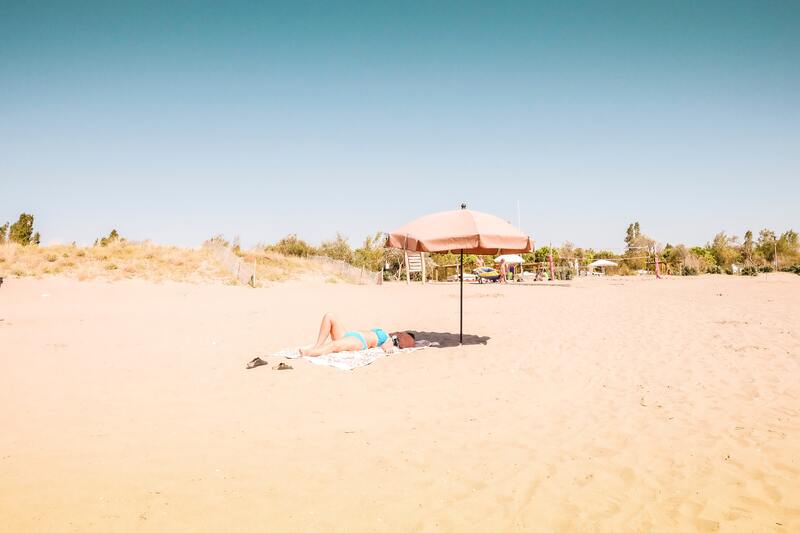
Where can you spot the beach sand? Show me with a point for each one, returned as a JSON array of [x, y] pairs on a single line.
[[616, 404]]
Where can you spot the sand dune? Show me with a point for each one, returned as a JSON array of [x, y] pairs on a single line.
[[615, 404]]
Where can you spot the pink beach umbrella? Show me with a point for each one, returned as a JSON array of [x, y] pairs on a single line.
[[464, 231]]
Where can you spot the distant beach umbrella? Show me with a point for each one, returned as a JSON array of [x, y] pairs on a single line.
[[463, 231], [602, 263], [511, 259]]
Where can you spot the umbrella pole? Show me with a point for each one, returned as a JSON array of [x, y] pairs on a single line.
[[461, 303]]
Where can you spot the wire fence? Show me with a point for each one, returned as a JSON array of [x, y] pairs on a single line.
[[243, 271], [247, 273], [348, 272]]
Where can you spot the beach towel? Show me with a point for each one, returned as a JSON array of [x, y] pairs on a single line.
[[351, 360]]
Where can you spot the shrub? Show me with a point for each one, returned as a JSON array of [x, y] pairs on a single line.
[[766, 268], [291, 245], [714, 269], [51, 258], [217, 239], [110, 238], [564, 274], [793, 269], [689, 271], [749, 271], [337, 249]]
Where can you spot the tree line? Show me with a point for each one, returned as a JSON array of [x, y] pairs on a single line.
[[723, 254], [764, 252]]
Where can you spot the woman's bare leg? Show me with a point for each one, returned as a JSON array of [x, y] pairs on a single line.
[[343, 344], [314, 351], [330, 327]]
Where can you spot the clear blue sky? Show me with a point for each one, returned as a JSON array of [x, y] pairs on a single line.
[[175, 121]]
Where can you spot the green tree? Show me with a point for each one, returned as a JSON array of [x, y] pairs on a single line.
[[638, 247], [371, 254], [601, 254], [21, 231], [632, 234], [702, 259], [3, 232], [675, 256], [567, 250], [541, 253], [748, 248], [767, 243], [723, 250], [788, 243]]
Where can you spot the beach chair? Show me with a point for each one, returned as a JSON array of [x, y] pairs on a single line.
[[415, 262]]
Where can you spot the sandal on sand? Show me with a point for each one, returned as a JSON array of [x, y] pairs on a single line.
[[282, 366], [256, 362]]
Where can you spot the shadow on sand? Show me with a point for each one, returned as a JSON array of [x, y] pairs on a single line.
[[448, 340]]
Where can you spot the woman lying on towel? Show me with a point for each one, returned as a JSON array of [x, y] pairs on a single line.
[[342, 340]]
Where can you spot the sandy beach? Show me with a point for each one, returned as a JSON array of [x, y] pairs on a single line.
[[617, 404]]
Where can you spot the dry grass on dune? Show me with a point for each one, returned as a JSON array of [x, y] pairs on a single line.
[[118, 260], [272, 266], [125, 260]]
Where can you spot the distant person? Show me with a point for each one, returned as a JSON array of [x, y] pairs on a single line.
[[503, 271], [342, 340]]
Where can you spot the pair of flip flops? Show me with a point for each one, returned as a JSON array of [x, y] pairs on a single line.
[[259, 362]]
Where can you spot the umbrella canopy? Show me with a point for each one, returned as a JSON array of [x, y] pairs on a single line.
[[464, 231], [602, 263], [512, 259]]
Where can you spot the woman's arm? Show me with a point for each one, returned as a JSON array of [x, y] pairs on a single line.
[[388, 346]]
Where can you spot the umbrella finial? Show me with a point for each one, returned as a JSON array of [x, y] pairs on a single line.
[[463, 205]]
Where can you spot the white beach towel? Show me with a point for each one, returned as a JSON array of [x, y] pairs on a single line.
[[351, 360]]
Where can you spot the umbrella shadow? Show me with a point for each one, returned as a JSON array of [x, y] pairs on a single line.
[[448, 340]]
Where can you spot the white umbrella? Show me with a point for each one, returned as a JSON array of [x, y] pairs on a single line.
[[511, 259], [602, 263]]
